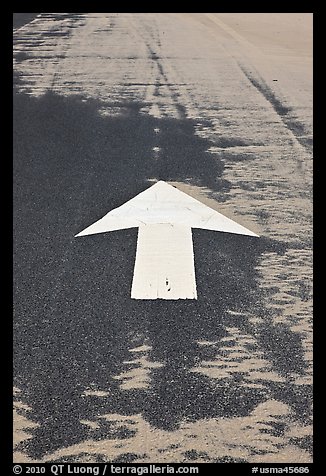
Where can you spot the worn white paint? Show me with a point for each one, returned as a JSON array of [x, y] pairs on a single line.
[[163, 203], [164, 266]]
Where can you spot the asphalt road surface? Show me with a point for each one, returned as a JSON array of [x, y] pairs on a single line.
[[219, 105]]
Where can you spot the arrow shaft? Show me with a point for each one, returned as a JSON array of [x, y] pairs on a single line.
[[164, 265]]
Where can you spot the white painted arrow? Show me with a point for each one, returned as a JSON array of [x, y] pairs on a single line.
[[164, 266]]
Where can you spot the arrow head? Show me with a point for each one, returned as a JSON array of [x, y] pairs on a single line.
[[164, 204]]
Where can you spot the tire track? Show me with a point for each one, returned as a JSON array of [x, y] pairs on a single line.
[[283, 111]]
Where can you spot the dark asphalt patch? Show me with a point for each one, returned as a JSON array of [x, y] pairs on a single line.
[[74, 319], [20, 19]]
